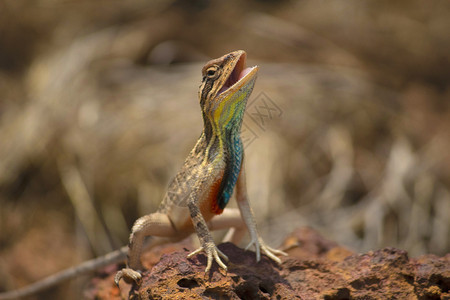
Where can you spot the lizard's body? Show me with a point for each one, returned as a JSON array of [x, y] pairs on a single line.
[[196, 198]]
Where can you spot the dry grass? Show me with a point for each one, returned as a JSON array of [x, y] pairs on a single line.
[[99, 108]]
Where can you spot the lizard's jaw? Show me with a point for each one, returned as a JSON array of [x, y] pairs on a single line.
[[239, 77]]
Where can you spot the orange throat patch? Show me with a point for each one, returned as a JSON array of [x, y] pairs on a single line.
[[211, 204]]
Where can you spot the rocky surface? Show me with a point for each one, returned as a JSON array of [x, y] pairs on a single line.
[[316, 268]]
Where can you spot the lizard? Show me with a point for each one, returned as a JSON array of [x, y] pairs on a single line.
[[213, 169], [196, 198]]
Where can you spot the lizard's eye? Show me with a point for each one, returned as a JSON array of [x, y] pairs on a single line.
[[212, 72]]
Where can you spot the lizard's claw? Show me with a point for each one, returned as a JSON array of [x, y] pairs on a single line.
[[211, 252], [128, 275], [270, 252]]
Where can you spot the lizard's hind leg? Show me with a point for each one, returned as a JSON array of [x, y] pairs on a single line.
[[156, 224]]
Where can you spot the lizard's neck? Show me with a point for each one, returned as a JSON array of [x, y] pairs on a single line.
[[222, 141]]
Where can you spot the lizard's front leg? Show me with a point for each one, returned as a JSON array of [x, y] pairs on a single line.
[[249, 219], [205, 238]]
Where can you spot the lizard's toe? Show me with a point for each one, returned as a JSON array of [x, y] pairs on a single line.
[[128, 275], [271, 252], [261, 246], [212, 252]]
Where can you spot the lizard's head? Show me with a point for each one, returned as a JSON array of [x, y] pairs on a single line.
[[225, 88]]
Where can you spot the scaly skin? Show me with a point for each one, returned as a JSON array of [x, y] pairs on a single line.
[[197, 196], [205, 183]]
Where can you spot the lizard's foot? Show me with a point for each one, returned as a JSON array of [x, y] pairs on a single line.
[[128, 275], [211, 252], [270, 252]]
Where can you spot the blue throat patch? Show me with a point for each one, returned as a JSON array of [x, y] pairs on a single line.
[[233, 157]]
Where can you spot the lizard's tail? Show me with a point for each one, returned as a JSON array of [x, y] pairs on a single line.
[[83, 268]]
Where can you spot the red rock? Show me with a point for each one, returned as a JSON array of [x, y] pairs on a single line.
[[316, 268]]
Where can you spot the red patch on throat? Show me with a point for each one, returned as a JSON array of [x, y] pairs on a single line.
[[212, 197]]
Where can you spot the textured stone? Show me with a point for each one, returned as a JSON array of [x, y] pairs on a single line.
[[316, 268]]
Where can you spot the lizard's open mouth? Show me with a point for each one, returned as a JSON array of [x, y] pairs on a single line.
[[239, 75]]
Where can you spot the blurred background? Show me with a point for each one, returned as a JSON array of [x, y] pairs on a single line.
[[347, 130]]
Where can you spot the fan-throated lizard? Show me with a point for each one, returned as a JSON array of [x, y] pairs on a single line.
[[197, 196]]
